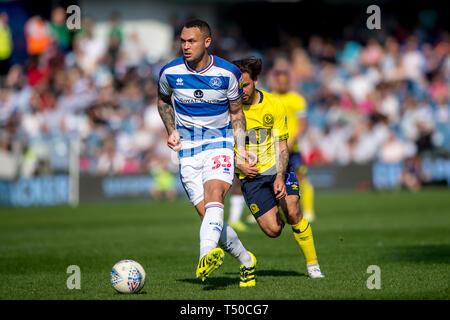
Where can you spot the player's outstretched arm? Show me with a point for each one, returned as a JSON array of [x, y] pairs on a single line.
[[167, 115]]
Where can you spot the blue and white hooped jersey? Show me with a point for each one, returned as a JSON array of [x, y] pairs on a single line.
[[201, 102]]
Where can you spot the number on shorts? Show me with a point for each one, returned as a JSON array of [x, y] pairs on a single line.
[[225, 162]]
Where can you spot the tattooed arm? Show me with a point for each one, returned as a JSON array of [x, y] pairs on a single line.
[[279, 187], [239, 126], [166, 112], [167, 115], [238, 123], [282, 157]]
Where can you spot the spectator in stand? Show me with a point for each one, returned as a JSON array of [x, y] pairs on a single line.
[[115, 37], [413, 61], [132, 51], [89, 49], [425, 125], [6, 44], [163, 181], [388, 103], [390, 63], [365, 145], [37, 35], [58, 29], [109, 161], [115, 34], [392, 150], [412, 174]]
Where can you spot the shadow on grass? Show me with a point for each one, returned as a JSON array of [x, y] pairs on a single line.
[[127, 294], [276, 273], [279, 273], [425, 254], [220, 283], [213, 283]]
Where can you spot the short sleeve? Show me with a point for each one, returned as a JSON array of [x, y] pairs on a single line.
[[163, 85], [280, 129], [235, 86]]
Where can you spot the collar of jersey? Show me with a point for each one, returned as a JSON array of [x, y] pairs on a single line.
[[204, 69], [261, 97]]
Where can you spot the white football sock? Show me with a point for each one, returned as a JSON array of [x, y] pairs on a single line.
[[211, 227], [229, 241], [237, 203]]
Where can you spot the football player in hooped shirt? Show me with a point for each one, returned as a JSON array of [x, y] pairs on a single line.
[[199, 101], [272, 181]]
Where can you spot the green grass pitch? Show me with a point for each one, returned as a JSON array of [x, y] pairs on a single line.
[[406, 235]]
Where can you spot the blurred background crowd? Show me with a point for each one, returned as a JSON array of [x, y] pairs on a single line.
[[370, 98]]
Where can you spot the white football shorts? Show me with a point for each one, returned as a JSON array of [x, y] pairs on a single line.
[[204, 166]]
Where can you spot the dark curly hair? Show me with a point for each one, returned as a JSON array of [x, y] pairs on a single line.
[[251, 65]]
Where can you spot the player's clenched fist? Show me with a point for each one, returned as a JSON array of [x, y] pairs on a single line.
[[174, 141]]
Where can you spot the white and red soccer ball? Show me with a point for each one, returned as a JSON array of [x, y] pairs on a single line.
[[127, 276]]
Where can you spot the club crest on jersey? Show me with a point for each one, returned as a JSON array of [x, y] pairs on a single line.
[[179, 82], [198, 94], [268, 119], [215, 82]]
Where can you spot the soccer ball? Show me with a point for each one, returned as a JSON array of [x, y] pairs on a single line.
[[127, 276]]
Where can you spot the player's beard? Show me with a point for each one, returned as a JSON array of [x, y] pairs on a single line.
[[249, 99], [194, 61]]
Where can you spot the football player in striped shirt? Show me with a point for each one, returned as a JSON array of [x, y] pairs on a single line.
[[199, 101]]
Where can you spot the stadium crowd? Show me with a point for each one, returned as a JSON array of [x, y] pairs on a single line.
[[377, 99]]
